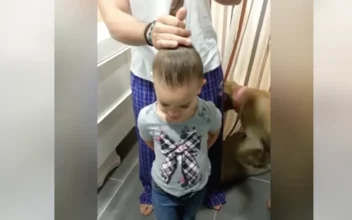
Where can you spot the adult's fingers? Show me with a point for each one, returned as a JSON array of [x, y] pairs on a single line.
[[181, 14], [171, 37], [161, 29], [171, 21], [171, 41], [165, 44]]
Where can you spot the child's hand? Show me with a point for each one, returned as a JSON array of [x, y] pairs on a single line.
[[150, 144], [212, 137]]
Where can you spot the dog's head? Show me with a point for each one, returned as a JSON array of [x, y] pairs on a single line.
[[253, 107], [252, 152], [242, 96]]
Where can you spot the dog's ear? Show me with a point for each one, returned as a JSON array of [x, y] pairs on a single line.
[[228, 105], [229, 86], [239, 95]]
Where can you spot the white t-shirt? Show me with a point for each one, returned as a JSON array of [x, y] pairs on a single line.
[[198, 20]]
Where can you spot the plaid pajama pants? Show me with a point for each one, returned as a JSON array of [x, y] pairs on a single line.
[[142, 95]]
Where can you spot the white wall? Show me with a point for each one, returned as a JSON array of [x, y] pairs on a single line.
[[115, 115], [48, 117]]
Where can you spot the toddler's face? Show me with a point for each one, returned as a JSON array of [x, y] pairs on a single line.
[[177, 104]]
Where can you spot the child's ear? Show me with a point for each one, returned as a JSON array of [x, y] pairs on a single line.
[[201, 86]]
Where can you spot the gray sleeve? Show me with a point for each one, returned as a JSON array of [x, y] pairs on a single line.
[[215, 117], [142, 125]]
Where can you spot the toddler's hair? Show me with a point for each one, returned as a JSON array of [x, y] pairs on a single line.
[[178, 67]]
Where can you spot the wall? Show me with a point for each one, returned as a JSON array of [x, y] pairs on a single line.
[[292, 110], [48, 110]]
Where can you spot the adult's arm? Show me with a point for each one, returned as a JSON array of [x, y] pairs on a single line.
[[122, 26], [229, 2], [168, 32]]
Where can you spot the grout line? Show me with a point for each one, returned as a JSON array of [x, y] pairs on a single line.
[[113, 195], [260, 180], [129, 171], [116, 179], [215, 215]]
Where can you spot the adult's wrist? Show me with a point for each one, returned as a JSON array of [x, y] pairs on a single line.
[[148, 37]]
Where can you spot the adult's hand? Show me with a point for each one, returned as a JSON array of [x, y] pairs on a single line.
[[170, 31]]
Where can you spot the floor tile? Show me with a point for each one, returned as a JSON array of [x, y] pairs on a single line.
[[206, 214], [125, 204], [246, 201], [265, 177], [106, 193], [127, 162]]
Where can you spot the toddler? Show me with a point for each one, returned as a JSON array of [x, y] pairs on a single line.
[[180, 127]]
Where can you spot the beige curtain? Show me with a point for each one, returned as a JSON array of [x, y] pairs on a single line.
[[244, 31]]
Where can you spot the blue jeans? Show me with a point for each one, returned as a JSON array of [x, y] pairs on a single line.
[[168, 207]]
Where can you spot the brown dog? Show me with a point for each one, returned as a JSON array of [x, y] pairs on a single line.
[[246, 153], [243, 156], [253, 107]]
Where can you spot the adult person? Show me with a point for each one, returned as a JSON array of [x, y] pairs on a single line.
[[147, 26]]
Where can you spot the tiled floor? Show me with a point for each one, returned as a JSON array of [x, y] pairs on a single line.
[[118, 199]]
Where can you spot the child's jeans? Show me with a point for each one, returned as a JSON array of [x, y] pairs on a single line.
[[168, 207]]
